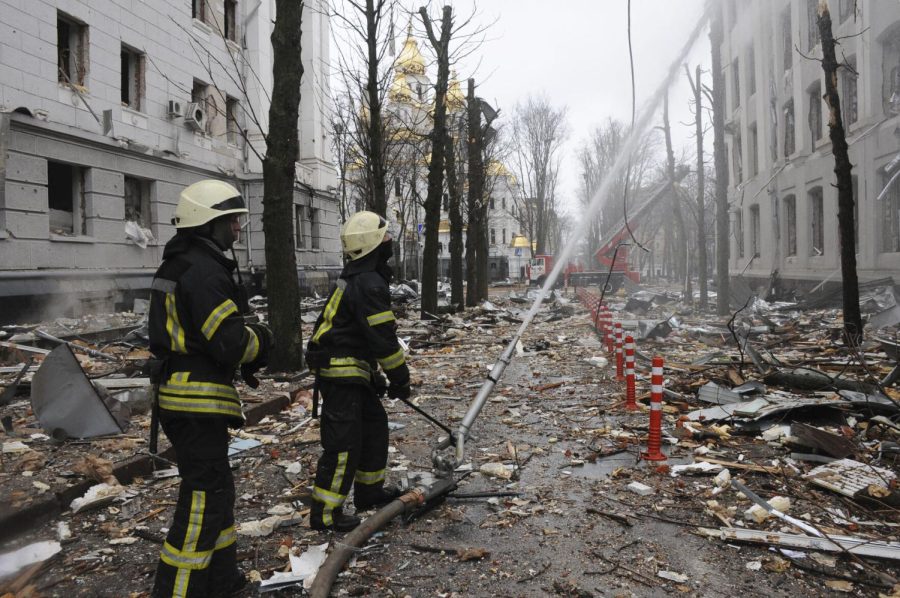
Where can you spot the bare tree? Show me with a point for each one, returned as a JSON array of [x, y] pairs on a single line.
[[538, 132], [853, 328], [682, 239], [697, 88], [723, 241]]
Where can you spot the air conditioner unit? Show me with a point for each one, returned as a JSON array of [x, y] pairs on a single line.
[[174, 109], [195, 116]]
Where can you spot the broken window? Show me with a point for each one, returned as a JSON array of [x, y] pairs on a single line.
[[71, 50], [200, 96], [739, 232], [849, 99], [232, 130], [845, 9], [891, 71], [735, 84], [132, 73], [815, 113], [751, 71], [787, 43], [753, 149], [754, 230], [314, 228], [789, 129], [198, 9], [493, 236], [137, 201], [737, 159], [817, 221], [231, 20], [65, 198], [299, 227], [812, 7], [890, 216], [790, 225]]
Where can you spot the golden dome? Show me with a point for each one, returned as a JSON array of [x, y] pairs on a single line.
[[497, 168], [400, 90], [410, 59], [455, 98]]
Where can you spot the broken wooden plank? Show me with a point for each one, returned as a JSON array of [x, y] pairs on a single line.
[[857, 546], [832, 444], [743, 466]]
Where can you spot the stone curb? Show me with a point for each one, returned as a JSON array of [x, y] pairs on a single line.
[[17, 522]]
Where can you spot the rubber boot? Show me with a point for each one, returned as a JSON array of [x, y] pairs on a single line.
[[367, 497], [339, 521]]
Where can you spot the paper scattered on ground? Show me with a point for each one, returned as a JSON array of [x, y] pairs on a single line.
[[303, 568]]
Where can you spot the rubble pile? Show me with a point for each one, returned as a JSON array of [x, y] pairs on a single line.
[[781, 469]]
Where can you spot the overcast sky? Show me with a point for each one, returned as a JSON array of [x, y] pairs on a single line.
[[576, 52]]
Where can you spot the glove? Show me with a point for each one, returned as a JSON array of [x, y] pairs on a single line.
[[396, 391], [379, 382], [266, 342], [248, 371]]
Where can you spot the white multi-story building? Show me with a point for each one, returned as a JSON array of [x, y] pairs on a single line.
[[108, 108], [781, 188]]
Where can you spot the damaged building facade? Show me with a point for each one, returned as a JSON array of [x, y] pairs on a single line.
[[781, 180], [108, 109]]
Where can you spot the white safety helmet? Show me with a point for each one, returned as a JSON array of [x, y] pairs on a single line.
[[362, 233], [207, 200]]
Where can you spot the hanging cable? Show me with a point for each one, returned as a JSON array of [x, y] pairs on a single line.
[[633, 111]]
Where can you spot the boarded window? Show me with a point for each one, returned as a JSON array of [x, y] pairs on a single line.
[[132, 73], [890, 215], [787, 42], [137, 200], [754, 230], [790, 225], [71, 50], [65, 195], [817, 221], [815, 113]]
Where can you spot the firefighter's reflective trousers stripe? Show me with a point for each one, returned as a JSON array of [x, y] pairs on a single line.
[[354, 431], [198, 557]]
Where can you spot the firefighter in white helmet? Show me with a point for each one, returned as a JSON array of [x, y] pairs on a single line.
[[198, 332], [354, 335]]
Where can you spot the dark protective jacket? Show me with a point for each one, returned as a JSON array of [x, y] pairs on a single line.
[[357, 328], [197, 327]]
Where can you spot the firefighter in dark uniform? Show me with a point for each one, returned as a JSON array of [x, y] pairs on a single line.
[[197, 329], [356, 333]]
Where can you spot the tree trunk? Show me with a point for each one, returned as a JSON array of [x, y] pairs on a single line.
[[377, 202], [701, 212], [681, 237], [723, 239], [483, 254], [278, 200], [436, 167], [476, 185], [456, 225], [853, 329]]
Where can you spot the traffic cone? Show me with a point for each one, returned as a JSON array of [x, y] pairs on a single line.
[[654, 439], [630, 395], [620, 357]]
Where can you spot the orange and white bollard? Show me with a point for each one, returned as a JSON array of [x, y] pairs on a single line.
[[620, 357], [630, 394], [654, 439], [610, 335]]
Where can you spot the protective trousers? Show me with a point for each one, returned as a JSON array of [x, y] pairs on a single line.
[[199, 556], [354, 430]]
